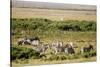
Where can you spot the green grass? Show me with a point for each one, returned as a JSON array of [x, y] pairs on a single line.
[[64, 36], [26, 52], [48, 25], [36, 61], [79, 32], [48, 30]]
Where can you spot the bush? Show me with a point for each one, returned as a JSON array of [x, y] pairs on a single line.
[[23, 53], [78, 26], [45, 25]]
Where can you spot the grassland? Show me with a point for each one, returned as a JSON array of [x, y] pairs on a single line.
[[48, 31], [79, 32], [32, 61], [76, 26], [53, 14]]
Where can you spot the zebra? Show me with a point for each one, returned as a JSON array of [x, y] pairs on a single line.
[[68, 49], [56, 46], [29, 41], [87, 49], [21, 41], [41, 50]]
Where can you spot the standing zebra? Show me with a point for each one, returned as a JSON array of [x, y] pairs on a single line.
[[68, 49], [87, 48], [57, 46], [41, 49]]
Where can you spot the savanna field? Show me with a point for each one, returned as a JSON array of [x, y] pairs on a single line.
[[49, 29]]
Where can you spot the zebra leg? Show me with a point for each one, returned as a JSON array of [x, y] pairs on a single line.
[[66, 50]]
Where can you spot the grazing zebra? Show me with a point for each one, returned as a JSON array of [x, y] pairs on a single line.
[[41, 49], [21, 41], [29, 41], [57, 46], [68, 49], [87, 49], [35, 43], [34, 38], [70, 44]]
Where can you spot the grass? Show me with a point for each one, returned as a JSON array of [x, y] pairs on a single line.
[[53, 14], [36, 61], [29, 57], [49, 31]]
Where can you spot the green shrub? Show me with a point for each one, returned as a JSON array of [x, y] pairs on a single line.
[[23, 53], [46, 24]]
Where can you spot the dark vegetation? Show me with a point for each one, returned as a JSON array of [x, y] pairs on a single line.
[[23, 53], [47, 25], [29, 53]]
